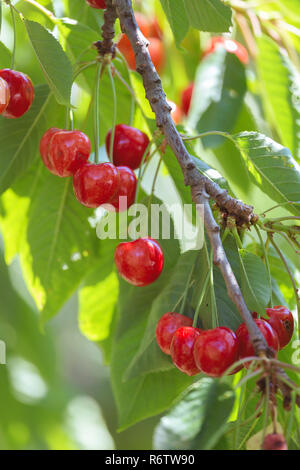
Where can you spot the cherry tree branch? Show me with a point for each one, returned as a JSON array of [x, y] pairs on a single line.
[[202, 188]]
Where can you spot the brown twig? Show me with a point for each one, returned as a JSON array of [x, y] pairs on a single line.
[[202, 188]]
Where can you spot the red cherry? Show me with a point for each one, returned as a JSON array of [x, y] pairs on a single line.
[[156, 50], [157, 53], [21, 93], [124, 45], [96, 184], [127, 189], [68, 151], [96, 4], [215, 350], [4, 95], [176, 112], [182, 346], [245, 346], [154, 29], [282, 321], [230, 45], [139, 262], [275, 442], [166, 327], [186, 98], [129, 146], [44, 147]]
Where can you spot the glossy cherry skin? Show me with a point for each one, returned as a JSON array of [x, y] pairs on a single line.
[[21, 93], [68, 151], [139, 262], [274, 442], [230, 45], [282, 321], [186, 98], [166, 328], [95, 185], [4, 95], [96, 4], [129, 146], [125, 196], [182, 347], [44, 147], [215, 351], [245, 347]]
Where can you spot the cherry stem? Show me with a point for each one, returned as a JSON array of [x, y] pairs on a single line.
[[96, 112], [202, 294], [154, 182], [284, 261], [249, 377], [112, 137], [266, 261], [186, 290], [279, 205], [13, 19]]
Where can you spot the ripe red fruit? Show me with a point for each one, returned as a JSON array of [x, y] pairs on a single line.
[[129, 146], [154, 29], [67, 151], [230, 45], [127, 189], [4, 95], [139, 262], [156, 48], [182, 346], [245, 346], [21, 93], [96, 184], [96, 4], [215, 350], [186, 98], [275, 442], [44, 147], [166, 327], [282, 321], [157, 53]]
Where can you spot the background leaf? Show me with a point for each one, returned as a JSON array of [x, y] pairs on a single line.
[[55, 64]]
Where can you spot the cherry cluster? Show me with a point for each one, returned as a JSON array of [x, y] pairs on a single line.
[[194, 350], [16, 93], [66, 153]]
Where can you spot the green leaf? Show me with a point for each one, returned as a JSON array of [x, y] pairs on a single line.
[[149, 357], [60, 246], [98, 297], [198, 420], [19, 139], [271, 167], [54, 62], [177, 17], [221, 82], [281, 85], [209, 15], [5, 56], [255, 283], [14, 206], [145, 396]]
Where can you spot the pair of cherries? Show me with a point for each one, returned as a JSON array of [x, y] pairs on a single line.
[[66, 153], [16, 93], [213, 351]]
